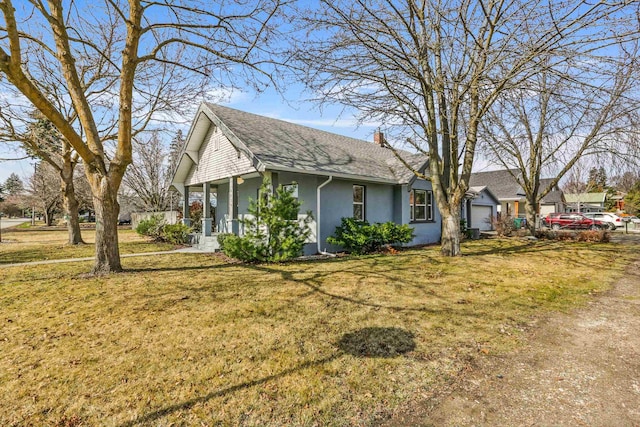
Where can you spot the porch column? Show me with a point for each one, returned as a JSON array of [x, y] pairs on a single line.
[[206, 209], [232, 220], [186, 220]]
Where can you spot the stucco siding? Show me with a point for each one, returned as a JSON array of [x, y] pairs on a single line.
[[382, 203], [337, 202], [217, 159]]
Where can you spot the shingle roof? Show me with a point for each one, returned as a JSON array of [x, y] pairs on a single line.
[[501, 183], [505, 187], [283, 145]]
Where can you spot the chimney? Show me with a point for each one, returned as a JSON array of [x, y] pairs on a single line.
[[378, 138]]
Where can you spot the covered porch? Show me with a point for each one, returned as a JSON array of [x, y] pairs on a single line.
[[220, 207]]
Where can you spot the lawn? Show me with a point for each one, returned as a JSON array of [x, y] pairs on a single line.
[[25, 244], [187, 339]]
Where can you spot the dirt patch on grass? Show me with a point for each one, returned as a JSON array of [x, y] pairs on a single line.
[[578, 369]]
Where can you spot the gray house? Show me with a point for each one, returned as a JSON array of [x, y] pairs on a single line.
[[510, 194], [480, 207], [228, 153]]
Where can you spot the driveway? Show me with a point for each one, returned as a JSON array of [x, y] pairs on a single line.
[[12, 222]]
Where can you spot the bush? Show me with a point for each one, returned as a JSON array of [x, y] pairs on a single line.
[[593, 236], [151, 227], [177, 234], [504, 225], [156, 228], [272, 230], [360, 237], [222, 238]]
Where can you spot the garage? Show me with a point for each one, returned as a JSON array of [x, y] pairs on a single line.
[[480, 217]]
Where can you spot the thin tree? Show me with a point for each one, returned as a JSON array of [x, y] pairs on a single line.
[[430, 70], [562, 116], [104, 72], [44, 191], [41, 140], [149, 177]]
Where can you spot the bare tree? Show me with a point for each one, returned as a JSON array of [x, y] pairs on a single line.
[[41, 140], [566, 113], [103, 72], [44, 191], [579, 184], [430, 70], [149, 176], [625, 181]]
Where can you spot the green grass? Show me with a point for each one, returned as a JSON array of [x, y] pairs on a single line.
[[185, 339], [46, 243]]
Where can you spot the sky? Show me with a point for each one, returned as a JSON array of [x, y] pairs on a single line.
[[295, 108]]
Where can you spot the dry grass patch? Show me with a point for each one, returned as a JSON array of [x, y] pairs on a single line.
[[45, 243], [182, 339]]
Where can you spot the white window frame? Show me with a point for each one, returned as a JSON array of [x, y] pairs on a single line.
[[354, 203], [292, 186], [428, 205]]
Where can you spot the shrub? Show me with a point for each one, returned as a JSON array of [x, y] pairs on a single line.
[[151, 226], [156, 228], [272, 230], [594, 236], [177, 234], [504, 225], [360, 237], [222, 238]]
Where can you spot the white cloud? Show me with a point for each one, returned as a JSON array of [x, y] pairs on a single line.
[[226, 95]]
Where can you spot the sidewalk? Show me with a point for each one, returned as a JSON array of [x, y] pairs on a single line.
[[59, 261]]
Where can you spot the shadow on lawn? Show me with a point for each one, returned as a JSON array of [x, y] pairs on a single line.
[[366, 342], [315, 284]]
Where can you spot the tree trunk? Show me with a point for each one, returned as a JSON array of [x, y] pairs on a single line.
[[70, 204], [450, 245], [531, 212], [48, 216], [105, 203]]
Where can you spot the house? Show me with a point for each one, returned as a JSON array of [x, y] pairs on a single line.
[[228, 153], [511, 196], [585, 202], [479, 208]]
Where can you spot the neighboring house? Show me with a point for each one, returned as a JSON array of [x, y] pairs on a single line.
[[510, 195], [480, 208], [228, 152], [585, 202]]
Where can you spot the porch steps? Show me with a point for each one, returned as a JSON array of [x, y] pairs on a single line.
[[205, 243]]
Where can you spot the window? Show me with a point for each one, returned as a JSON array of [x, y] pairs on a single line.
[[421, 205], [292, 188], [358, 202]]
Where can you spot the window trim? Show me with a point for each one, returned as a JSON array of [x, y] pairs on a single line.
[[428, 206], [294, 186], [363, 203]]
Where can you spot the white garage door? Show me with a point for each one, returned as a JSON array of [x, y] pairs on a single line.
[[480, 217]]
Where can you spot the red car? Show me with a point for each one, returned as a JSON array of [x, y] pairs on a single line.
[[572, 221]]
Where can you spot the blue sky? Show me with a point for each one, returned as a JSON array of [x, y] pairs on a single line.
[[294, 109]]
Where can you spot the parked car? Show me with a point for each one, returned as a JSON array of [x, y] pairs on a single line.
[[612, 220], [634, 219], [572, 221]]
